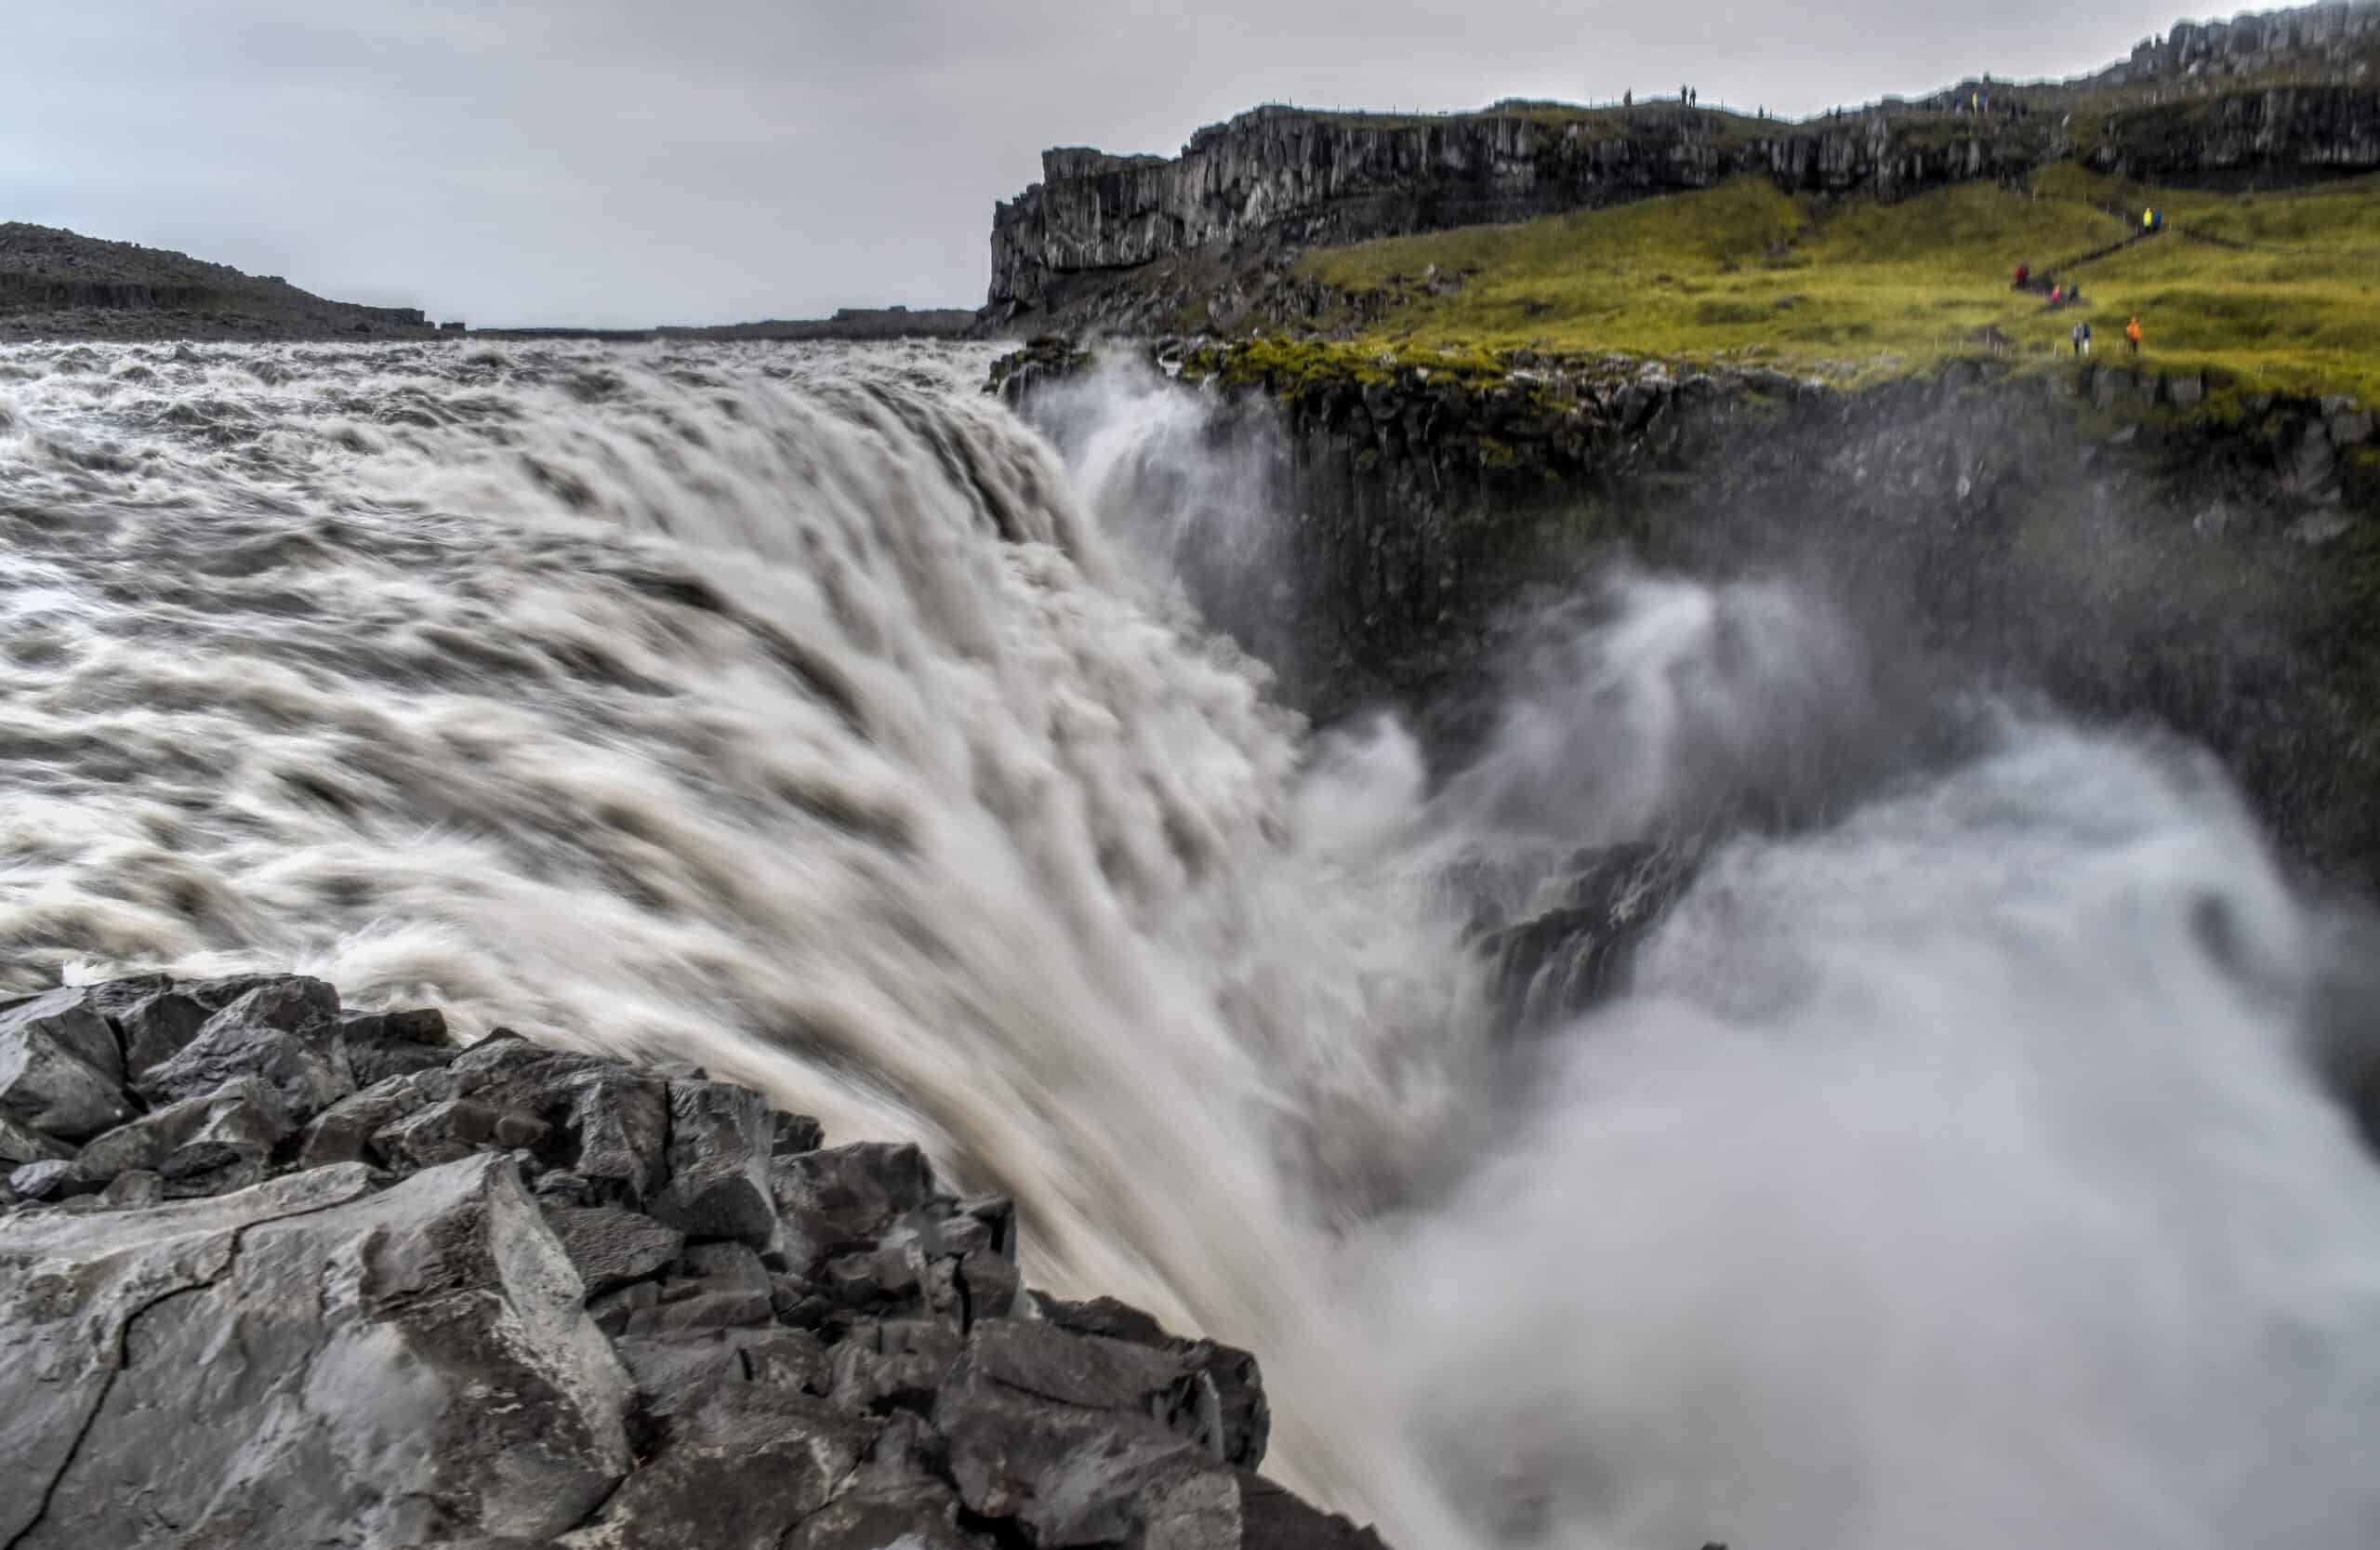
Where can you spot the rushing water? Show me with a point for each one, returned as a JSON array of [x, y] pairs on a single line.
[[1952, 1176]]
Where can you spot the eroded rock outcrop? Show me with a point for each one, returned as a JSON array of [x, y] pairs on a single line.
[[1286, 176], [372, 1289]]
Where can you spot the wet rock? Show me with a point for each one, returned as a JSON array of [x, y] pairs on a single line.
[[155, 1024], [619, 1127], [69, 1020], [613, 1310], [48, 1081], [842, 1198], [406, 1346], [130, 1192], [1133, 1423], [719, 1163], [611, 1247], [1242, 1416], [264, 1033], [354, 1406], [695, 1308], [223, 1139], [792, 1134], [373, 1046], [344, 1131], [746, 1463], [673, 1375], [452, 1129], [893, 1362], [45, 1181], [896, 1496], [23, 1144], [1055, 1431]]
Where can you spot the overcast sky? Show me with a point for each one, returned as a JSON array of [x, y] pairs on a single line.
[[631, 162]]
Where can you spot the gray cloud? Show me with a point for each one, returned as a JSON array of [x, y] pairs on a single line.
[[626, 162]]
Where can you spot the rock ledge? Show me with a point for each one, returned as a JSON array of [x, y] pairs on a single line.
[[273, 1272]]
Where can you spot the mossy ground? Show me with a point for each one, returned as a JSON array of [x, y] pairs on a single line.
[[2271, 292]]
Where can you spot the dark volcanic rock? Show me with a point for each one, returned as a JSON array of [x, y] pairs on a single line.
[[719, 1144], [353, 1407], [222, 1331], [216, 1141], [271, 1032], [59, 1069], [611, 1247]]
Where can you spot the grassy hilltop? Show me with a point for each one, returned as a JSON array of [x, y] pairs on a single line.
[[2267, 291]]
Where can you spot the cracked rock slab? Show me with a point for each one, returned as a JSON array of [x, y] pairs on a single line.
[[293, 1364]]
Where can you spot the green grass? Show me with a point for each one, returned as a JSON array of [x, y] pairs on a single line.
[[2283, 295]]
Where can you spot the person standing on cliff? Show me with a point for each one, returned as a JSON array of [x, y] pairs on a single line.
[[2132, 335]]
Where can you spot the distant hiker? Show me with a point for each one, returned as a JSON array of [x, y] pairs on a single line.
[[2056, 294], [2083, 338], [2132, 335], [2024, 272]]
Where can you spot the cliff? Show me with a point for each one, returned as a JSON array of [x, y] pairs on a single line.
[[2286, 98], [56, 283], [1283, 178]]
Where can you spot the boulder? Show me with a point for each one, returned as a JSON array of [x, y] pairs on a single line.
[[48, 1080], [893, 1362], [70, 1020], [618, 1126], [895, 1497], [222, 1139], [611, 1247], [21, 1144], [154, 1019], [745, 1465], [373, 1046], [271, 1032], [410, 1368], [719, 1150], [44, 1180], [1083, 1439], [1243, 1417], [450, 1129], [673, 1375], [843, 1198], [344, 1131]]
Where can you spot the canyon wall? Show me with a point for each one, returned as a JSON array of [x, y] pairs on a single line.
[[1277, 179]]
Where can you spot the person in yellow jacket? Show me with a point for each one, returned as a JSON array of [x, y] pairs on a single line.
[[2132, 335]]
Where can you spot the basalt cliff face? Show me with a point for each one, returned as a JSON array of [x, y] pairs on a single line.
[[1282, 176], [2309, 129], [1138, 242]]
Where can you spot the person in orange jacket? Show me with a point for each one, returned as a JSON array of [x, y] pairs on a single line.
[[2132, 335]]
